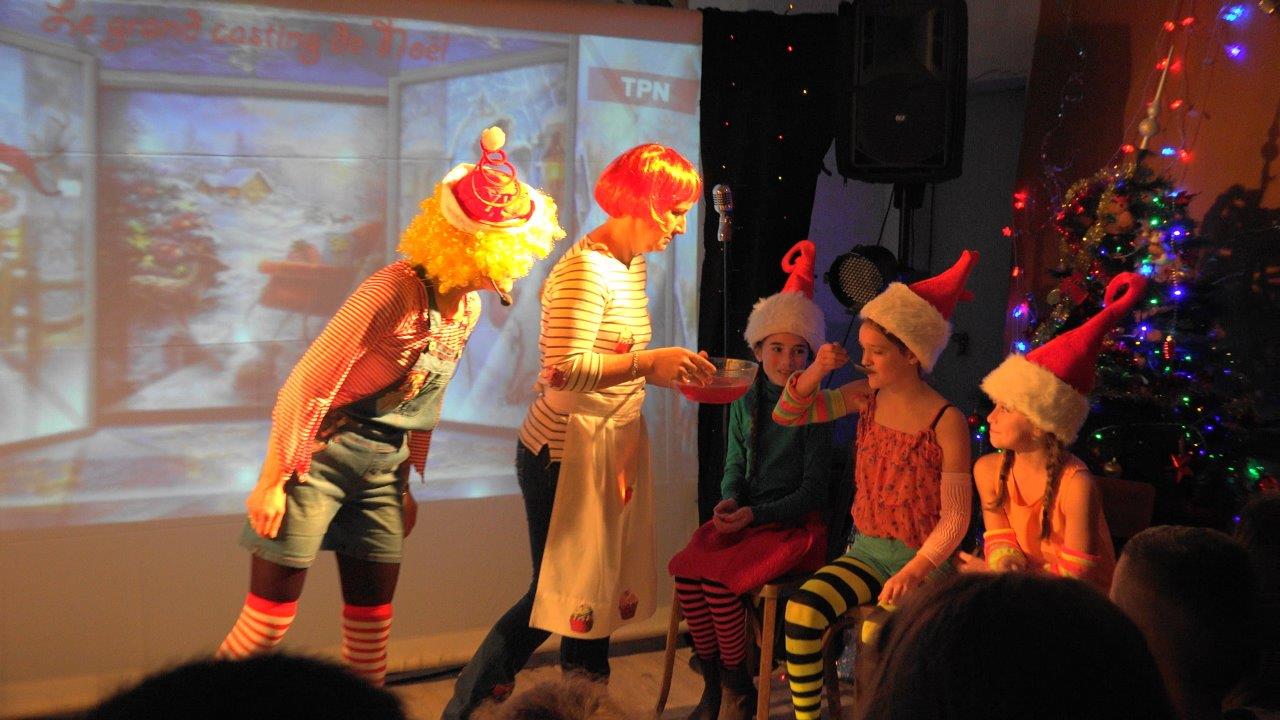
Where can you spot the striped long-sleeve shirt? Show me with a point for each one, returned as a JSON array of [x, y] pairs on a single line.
[[794, 409], [371, 342], [592, 305]]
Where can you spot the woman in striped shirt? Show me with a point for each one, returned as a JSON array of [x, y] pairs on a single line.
[[583, 456], [358, 409]]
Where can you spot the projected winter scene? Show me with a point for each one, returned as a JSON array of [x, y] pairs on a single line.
[[188, 192]]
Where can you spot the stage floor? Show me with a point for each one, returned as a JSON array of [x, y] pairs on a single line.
[[634, 685]]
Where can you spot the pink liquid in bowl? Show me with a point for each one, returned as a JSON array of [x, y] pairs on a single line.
[[721, 390]]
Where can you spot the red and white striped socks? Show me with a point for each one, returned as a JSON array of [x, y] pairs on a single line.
[[263, 623], [260, 627], [365, 629]]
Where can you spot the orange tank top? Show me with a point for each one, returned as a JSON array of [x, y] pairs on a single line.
[[898, 479], [1024, 516]]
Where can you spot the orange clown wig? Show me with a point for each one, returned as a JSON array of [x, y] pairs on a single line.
[[481, 223]]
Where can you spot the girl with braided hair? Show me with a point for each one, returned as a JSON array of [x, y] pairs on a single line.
[[1040, 505], [769, 522]]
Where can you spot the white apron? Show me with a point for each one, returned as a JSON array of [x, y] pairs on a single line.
[[598, 567]]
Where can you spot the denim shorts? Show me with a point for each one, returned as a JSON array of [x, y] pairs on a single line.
[[350, 504]]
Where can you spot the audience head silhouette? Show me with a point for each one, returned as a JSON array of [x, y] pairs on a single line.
[[264, 687], [1009, 646]]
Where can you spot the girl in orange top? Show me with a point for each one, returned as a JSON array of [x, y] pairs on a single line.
[[1039, 502]]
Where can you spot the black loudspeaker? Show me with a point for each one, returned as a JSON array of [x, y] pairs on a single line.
[[902, 109]]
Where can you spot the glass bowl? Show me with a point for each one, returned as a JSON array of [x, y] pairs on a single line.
[[730, 382]]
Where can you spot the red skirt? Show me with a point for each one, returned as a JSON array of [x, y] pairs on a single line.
[[749, 558]]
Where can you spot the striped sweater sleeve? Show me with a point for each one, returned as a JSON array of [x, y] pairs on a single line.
[[572, 312], [419, 447], [794, 409], [369, 314]]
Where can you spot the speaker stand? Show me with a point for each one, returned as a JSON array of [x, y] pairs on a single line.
[[907, 197]]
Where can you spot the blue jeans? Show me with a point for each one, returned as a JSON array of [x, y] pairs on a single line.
[[491, 672]]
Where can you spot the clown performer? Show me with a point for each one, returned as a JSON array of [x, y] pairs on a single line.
[[582, 460], [911, 477], [1040, 505], [769, 521], [358, 409]]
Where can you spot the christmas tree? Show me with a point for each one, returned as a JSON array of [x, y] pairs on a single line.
[[1186, 397], [1172, 406]]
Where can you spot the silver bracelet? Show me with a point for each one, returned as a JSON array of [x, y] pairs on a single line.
[[635, 365]]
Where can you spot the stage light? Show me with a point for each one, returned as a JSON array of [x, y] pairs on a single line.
[[860, 274]]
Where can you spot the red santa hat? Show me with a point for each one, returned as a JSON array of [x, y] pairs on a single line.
[[791, 310], [920, 314], [488, 196], [1051, 384]]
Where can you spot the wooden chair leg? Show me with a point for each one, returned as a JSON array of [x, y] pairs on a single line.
[[669, 657], [830, 679], [764, 684]]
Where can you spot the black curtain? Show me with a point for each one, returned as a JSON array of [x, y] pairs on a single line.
[[769, 103]]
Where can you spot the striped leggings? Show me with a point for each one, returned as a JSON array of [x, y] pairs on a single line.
[[845, 583], [717, 620]]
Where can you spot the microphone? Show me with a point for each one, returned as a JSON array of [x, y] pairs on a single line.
[[503, 296], [722, 201]]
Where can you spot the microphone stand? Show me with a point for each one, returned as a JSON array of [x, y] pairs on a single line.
[[725, 237], [724, 295], [722, 201]]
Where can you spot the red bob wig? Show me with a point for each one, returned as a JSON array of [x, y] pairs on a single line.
[[646, 181]]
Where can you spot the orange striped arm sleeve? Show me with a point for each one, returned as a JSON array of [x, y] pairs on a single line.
[[1000, 546], [368, 317], [419, 447], [793, 409], [1074, 563]]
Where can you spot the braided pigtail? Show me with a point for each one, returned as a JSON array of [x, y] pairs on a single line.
[[1002, 484], [1055, 458]]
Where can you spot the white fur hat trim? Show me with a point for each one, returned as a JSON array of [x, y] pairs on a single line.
[[913, 320], [787, 312], [1049, 402]]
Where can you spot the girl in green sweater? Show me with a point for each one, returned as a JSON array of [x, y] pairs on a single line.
[[769, 521]]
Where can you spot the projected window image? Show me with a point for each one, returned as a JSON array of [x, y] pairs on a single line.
[[45, 227], [189, 191], [210, 202]]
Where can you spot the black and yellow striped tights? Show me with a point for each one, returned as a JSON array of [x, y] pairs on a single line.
[[845, 583]]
